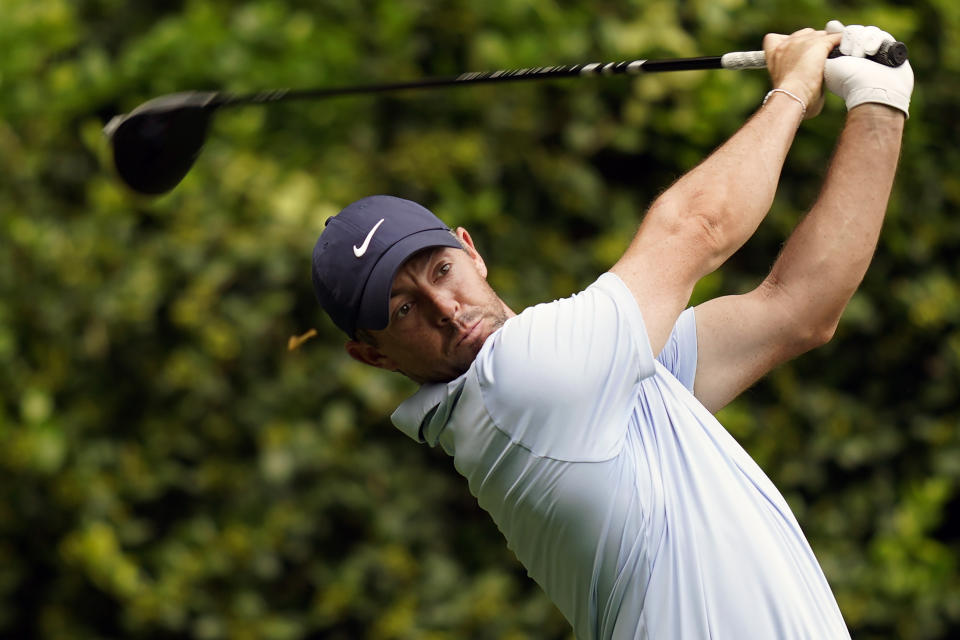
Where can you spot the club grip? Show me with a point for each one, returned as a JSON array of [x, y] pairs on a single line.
[[891, 54]]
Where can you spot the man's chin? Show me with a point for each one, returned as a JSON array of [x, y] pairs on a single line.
[[466, 351], [461, 364]]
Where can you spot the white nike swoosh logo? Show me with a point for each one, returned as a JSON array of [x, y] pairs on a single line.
[[362, 249]]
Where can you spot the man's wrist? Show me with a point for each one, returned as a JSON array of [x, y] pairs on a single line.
[[786, 104], [881, 113], [789, 94], [800, 89]]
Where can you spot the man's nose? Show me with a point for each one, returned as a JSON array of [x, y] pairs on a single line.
[[445, 306]]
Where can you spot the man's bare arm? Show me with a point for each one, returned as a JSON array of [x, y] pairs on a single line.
[[694, 226], [798, 305]]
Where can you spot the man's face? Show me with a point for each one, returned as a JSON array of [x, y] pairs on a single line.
[[441, 312]]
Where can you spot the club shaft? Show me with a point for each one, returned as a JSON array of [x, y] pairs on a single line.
[[890, 54], [634, 67]]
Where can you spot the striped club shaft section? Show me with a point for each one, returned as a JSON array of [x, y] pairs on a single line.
[[632, 67]]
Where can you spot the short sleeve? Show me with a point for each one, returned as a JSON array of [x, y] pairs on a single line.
[[562, 378], [679, 354]]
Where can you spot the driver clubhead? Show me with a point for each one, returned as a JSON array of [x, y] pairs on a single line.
[[155, 145]]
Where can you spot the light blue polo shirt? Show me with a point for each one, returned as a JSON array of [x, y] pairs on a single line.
[[625, 499]]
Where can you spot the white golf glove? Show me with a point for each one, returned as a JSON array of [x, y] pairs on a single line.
[[858, 80]]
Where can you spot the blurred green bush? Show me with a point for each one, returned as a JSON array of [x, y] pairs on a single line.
[[169, 469]]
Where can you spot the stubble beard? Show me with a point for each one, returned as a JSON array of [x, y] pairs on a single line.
[[496, 317], [495, 312]]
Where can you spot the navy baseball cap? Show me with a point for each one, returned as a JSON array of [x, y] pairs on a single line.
[[360, 251]]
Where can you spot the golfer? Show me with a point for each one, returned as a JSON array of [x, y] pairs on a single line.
[[585, 426]]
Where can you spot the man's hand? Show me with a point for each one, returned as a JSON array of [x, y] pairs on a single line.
[[796, 64], [860, 81]]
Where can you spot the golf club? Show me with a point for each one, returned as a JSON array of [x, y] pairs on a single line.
[[155, 145]]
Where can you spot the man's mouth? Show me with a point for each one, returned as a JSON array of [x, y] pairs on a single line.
[[469, 333]]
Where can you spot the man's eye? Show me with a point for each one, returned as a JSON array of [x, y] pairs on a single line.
[[403, 310], [444, 268]]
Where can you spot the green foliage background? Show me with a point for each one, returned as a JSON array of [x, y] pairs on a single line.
[[169, 469]]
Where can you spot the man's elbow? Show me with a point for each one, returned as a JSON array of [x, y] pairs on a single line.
[[822, 332], [697, 225], [806, 335], [807, 323], [824, 316]]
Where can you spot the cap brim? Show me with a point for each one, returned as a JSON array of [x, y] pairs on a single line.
[[375, 303]]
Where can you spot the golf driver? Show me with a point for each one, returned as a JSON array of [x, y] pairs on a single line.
[[155, 145]]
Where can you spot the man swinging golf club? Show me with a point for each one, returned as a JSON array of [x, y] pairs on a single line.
[[585, 426]]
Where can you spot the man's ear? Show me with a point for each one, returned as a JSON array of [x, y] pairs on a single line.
[[464, 236], [369, 354]]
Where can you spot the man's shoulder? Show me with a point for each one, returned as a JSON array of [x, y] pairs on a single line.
[[561, 377], [565, 339]]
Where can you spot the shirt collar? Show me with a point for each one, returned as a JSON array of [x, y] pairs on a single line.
[[430, 406]]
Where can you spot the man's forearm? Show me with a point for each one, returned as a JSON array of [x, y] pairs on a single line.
[[827, 255], [732, 190], [696, 224]]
